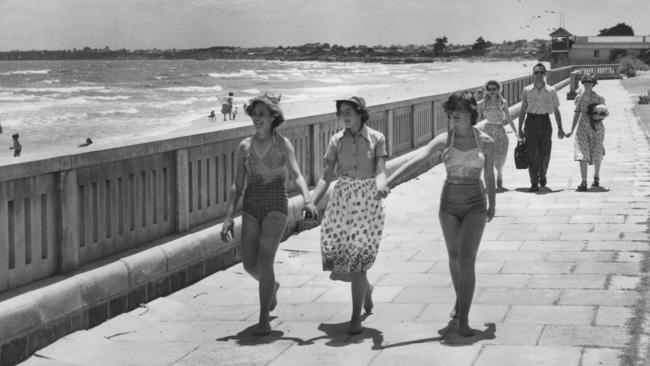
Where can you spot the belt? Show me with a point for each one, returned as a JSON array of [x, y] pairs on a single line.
[[538, 114], [468, 181]]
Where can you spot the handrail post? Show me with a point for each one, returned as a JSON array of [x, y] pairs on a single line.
[[182, 208], [315, 153], [68, 221], [390, 134], [414, 137]]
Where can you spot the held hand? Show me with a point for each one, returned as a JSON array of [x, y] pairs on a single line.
[[520, 138], [310, 211], [560, 134], [382, 191], [228, 229], [490, 213], [568, 134]]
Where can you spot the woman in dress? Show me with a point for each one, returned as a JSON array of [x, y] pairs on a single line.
[[466, 152], [588, 143], [494, 108], [263, 161], [354, 219]]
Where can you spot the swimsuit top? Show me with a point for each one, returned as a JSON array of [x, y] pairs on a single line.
[[493, 110], [268, 168], [463, 164]]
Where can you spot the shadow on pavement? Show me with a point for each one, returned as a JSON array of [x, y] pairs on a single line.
[[542, 190], [337, 335], [450, 337], [248, 337], [455, 339], [599, 189]]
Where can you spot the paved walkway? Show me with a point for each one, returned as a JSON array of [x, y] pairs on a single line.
[[557, 273]]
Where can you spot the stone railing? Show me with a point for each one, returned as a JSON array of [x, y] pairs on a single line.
[[61, 212]]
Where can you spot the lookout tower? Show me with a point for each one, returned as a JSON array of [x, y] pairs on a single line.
[[561, 42]]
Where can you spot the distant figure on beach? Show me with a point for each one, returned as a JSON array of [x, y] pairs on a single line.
[[538, 101], [89, 141], [234, 113], [212, 116], [588, 144], [466, 152], [16, 147], [0, 127], [226, 108], [354, 218], [479, 94], [262, 163], [494, 108]]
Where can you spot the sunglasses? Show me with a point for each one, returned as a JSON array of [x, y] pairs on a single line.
[[491, 89], [604, 114], [539, 72], [587, 82]]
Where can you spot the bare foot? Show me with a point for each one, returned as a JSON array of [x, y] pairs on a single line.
[[263, 328], [355, 327], [464, 329], [274, 300], [367, 302]]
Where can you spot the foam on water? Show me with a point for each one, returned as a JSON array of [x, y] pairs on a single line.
[[26, 72]]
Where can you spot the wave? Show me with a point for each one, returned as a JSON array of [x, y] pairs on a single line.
[[251, 91], [11, 97], [114, 97], [47, 103], [53, 81], [26, 72], [241, 73], [194, 89], [107, 112], [62, 90]]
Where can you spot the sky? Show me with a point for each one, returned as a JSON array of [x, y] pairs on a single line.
[[164, 24]]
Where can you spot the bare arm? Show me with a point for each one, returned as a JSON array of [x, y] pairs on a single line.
[[294, 170], [235, 191], [488, 176], [558, 120], [324, 181], [380, 178], [432, 149], [522, 114], [509, 117]]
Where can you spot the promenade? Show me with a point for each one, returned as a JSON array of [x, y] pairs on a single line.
[[559, 282]]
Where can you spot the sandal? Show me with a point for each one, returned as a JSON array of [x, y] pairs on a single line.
[[596, 182], [582, 187]]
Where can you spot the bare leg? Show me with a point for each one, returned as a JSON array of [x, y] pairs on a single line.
[[250, 235], [271, 233], [359, 287], [469, 239], [450, 225], [597, 169], [583, 170]]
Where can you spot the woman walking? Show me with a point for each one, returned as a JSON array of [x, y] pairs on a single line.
[[494, 108], [263, 161], [465, 152], [354, 219], [588, 143]]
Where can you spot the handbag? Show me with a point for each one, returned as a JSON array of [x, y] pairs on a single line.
[[521, 162]]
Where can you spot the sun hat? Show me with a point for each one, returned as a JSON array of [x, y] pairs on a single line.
[[358, 101]]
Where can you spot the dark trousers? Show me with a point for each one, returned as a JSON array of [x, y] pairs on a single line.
[[538, 131]]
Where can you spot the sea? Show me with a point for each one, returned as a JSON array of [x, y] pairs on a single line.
[[54, 104]]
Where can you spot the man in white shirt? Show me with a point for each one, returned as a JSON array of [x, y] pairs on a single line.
[[538, 101]]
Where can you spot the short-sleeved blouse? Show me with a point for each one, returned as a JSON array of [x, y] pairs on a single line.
[[356, 155]]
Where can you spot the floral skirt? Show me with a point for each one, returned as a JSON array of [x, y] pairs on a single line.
[[498, 133], [588, 144], [352, 226]]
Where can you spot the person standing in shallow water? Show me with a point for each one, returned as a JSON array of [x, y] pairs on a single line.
[[588, 145], [494, 108], [466, 152], [538, 101], [354, 219], [17, 147], [262, 164]]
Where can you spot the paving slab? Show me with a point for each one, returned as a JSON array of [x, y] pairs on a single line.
[[557, 279]]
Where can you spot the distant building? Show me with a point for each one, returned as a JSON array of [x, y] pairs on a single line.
[[567, 49]]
